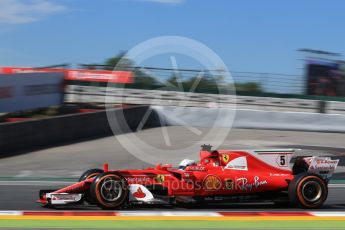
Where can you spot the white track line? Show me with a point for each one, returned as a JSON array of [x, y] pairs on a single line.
[[168, 213], [11, 213], [328, 214], [336, 185]]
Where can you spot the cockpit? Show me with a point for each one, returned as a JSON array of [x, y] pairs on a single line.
[[208, 158]]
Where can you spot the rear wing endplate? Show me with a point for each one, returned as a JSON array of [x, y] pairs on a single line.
[[323, 166]]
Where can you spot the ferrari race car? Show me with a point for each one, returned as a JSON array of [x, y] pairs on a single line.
[[219, 176]]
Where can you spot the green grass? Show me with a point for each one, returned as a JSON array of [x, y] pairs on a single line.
[[172, 224]]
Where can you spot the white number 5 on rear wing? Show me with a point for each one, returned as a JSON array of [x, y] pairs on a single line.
[[323, 166]]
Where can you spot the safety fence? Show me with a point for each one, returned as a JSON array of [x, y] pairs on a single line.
[[111, 95]]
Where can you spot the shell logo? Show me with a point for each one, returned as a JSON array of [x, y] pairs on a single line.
[[212, 182]]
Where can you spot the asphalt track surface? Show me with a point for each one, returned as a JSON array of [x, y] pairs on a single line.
[[22, 197], [69, 161]]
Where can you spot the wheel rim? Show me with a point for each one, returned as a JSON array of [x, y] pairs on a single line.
[[111, 190], [311, 191], [92, 175]]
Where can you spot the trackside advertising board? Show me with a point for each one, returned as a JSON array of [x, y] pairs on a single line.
[[25, 91], [121, 77]]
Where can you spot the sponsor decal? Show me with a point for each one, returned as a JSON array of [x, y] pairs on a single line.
[[66, 197], [160, 178], [237, 167], [138, 180], [212, 182], [100, 76], [139, 193], [225, 158], [196, 168], [327, 161], [244, 185], [229, 184], [279, 174], [239, 163], [324, 164]]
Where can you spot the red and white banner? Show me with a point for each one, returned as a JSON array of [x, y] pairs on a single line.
[[13, 70], [122, 77]]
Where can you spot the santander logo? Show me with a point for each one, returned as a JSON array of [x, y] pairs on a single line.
[[139, 193]]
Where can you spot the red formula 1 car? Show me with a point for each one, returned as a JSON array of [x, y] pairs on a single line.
[[219, 176]]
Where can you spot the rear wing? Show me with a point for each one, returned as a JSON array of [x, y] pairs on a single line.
[[322, 166]]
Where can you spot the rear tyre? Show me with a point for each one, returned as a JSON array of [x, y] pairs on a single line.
[[109, 190], [308, 190], [91, 173]]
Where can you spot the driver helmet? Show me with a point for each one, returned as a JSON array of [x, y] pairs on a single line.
[[186, 162]]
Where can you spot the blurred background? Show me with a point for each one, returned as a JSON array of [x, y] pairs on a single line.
[[72, 98]]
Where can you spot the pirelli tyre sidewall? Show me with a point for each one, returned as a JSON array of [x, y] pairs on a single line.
[[308, 190], [90, 174], [109, 190]]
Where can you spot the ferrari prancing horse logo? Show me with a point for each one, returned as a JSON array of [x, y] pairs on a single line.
[[225, 158], [160, 178]]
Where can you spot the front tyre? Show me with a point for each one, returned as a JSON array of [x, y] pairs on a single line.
[[90, 174], [109, 190], [308, 190]]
